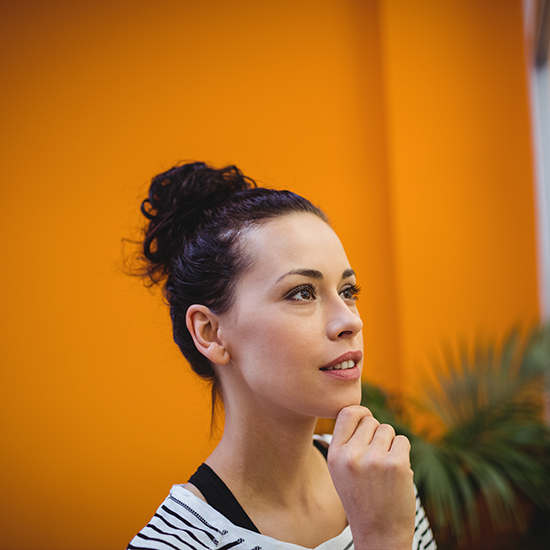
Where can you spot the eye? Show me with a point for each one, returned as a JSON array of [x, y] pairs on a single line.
[[303, 293], [350, 292]]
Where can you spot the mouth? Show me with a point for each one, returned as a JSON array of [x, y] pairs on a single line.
[[345, 362]]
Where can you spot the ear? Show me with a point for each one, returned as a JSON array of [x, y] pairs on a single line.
[[203, 325]]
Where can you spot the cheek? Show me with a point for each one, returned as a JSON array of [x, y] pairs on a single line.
[[276, 344], [270, 345]]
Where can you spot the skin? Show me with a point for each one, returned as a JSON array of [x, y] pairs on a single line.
[[294, 313]]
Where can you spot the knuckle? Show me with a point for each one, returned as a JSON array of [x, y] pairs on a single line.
[[374, 461], [369, 421], [387, 428], [350, 462], [404, 439], [347, 413], [398, 465], [394, 464]]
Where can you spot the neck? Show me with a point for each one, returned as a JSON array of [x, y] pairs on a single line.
[[267, 459], [262, 453]]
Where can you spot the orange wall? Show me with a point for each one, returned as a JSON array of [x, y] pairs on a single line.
[[101, 414], [408, 127], [460, 172]]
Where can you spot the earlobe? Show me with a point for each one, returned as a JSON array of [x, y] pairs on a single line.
[[203, 325]]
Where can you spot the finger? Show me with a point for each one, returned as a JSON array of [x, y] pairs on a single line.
[[400, 445], [365, 432], [383, 438], [346, 424]]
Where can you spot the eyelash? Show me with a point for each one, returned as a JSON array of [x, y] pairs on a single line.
[[301, 288], [353, 289]]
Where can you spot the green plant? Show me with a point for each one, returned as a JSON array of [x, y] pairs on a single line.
[[494, 445]]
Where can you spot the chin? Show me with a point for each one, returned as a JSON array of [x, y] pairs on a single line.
[[331, 410]]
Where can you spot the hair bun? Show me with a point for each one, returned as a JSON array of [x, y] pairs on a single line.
[[179, 200]]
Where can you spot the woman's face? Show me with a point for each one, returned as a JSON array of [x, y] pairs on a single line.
[[294, 331]]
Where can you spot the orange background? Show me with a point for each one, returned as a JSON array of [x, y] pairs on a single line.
[[407, 122]]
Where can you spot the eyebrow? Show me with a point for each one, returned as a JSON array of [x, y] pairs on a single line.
[[314, 274]]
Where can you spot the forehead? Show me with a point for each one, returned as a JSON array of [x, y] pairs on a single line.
[[294, 241]]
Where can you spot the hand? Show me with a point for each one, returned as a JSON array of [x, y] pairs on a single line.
[[370, 468]]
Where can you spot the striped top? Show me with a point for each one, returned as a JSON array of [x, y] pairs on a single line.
[[186, 522]]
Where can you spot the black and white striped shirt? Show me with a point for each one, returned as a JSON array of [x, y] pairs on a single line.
[[185, 522]]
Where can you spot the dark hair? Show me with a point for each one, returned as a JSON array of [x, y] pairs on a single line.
[[192, 241]]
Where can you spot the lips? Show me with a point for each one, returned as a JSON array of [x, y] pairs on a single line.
[[347, 361]]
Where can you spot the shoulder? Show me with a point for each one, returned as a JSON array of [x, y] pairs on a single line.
[[179, 523], [192, 489], [185, 521]]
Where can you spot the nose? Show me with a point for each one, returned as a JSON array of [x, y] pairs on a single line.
[[343, 321]]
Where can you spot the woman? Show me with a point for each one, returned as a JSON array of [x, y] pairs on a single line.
[[263, 305]]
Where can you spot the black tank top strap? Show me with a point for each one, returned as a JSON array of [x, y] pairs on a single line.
[[323, 448], [218, 495]]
